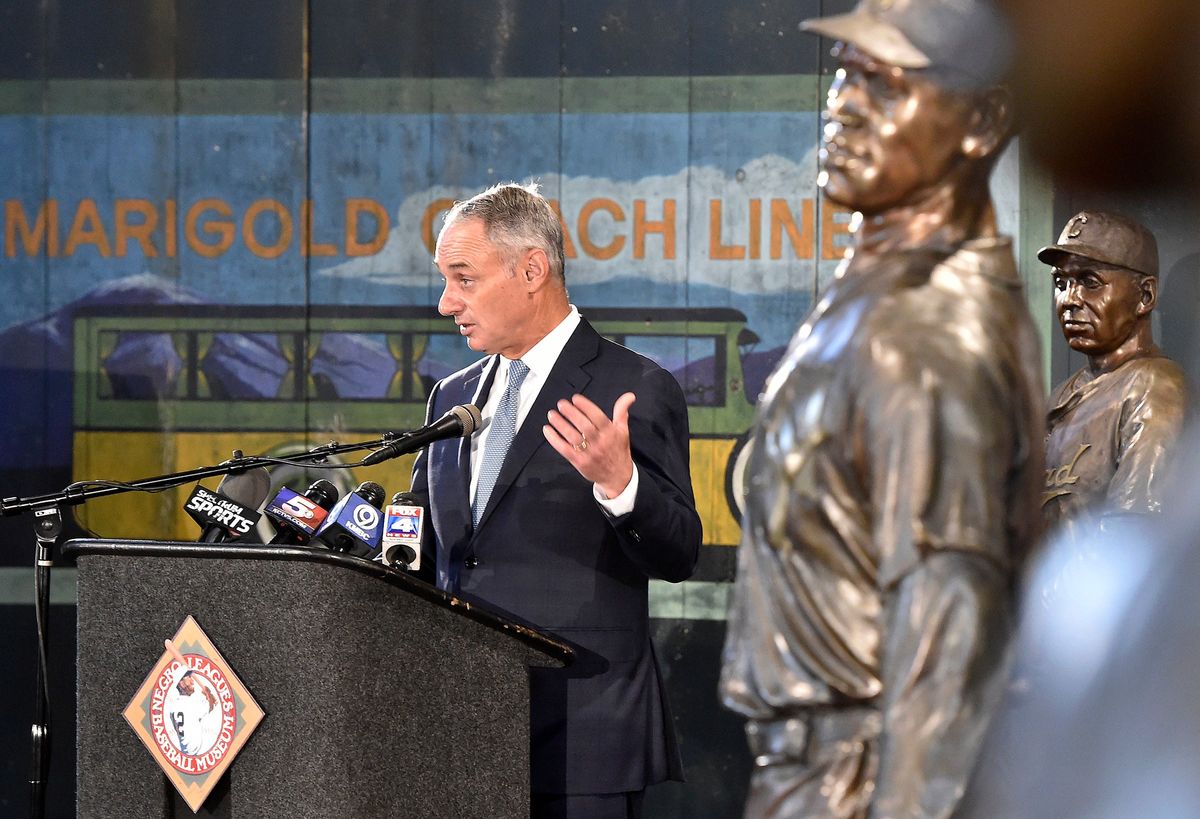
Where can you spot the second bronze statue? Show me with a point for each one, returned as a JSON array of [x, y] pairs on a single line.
[[1112, 425]]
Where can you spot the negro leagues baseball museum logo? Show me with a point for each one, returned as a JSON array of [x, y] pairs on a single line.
[[193, 713]]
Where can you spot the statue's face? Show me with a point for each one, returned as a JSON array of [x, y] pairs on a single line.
[[1097, 306], [891, 134]]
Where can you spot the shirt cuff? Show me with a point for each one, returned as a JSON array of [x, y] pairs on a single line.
[[622, 504]]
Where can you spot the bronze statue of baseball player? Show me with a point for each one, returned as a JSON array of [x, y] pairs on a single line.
[[897, 458], [1112, 425]]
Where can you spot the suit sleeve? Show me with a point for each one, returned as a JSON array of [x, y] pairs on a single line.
[[420, 488], [662, 534]]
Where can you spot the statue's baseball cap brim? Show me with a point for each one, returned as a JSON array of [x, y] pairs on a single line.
[[1108, 238], [1057, 255], [874, 35]]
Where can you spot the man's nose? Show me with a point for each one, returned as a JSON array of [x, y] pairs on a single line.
[[448, 304], [844, 104], [1072, 296]]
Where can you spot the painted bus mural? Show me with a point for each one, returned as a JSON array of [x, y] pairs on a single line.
[[166, 388]]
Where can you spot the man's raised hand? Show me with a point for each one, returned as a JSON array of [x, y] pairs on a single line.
[[596, 446]]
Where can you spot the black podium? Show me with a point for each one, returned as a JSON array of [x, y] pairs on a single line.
[[384, 697]]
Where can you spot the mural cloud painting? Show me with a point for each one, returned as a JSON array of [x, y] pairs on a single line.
[[762, 229]]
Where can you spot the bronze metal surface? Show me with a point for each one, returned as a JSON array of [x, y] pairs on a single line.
[[1112, 425], [895, 471]]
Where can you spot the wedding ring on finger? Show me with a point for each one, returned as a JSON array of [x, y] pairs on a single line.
[[582, 445]]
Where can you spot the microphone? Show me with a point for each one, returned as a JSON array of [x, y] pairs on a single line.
[[403, 522], [232, 511], [459, 422], [297, 517], [354, 524]]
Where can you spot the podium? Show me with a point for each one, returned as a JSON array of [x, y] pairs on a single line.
[[384, 697]]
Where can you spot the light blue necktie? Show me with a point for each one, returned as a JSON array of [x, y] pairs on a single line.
[[504, 426]]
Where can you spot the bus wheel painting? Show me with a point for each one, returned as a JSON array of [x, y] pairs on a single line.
[[736, 485]]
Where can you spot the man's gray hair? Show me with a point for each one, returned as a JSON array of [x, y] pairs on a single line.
[[516, 218]]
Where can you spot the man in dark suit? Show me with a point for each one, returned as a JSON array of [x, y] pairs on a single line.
[[555, 512]]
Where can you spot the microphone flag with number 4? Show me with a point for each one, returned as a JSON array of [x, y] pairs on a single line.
[[402, 526]]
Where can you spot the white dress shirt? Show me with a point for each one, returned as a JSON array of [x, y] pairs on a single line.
[[540, 359]]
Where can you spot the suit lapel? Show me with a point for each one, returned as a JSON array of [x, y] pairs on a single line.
[[566, 378], [454, 483], [480, 387]]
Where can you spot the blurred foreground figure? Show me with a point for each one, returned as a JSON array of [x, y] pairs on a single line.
[[1106, 725], [1108, 91], [1112, 425], [897, 459]]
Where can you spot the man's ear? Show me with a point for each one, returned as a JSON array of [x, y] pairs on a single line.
[[991, 123], [1147, 294], [535, 269]]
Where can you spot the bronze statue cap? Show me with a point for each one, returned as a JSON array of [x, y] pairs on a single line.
[[967, 42], [1108, 238]]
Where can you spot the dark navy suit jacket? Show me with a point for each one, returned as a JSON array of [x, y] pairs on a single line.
[[547, 554]]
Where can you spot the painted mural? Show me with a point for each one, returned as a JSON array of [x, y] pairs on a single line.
[[200, 296]]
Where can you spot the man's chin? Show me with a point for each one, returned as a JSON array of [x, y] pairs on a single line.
[[837, 190], [841, 191]]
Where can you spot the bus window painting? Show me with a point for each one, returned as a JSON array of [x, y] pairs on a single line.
[[166, 388]]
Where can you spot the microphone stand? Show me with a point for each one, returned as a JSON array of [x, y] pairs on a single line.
[[48, 527]]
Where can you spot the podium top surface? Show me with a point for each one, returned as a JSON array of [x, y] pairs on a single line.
[[532, 637]]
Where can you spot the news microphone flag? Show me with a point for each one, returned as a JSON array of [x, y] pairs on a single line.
[[401, 541], [291, 510], [355, 524], [220, 517]]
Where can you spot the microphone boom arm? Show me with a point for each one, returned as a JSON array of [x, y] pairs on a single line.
[[79, 493]]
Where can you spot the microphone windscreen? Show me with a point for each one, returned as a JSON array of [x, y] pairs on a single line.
[[249, 488], [323, 493], [470, 416], [372, 493]]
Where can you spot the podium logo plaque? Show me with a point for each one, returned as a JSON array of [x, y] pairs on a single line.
[[193, 713]]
